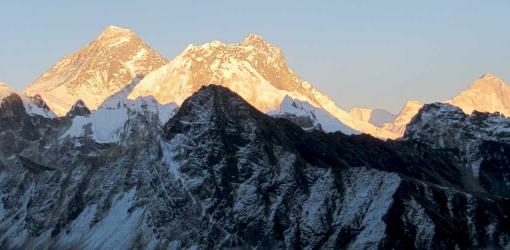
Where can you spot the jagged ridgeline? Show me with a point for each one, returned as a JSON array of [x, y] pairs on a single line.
[[220, 174]]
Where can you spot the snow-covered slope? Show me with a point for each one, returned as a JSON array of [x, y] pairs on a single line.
[[377, 117], [253, 68], [96, 71], [33, 105], [108, 123], [310, 117], [487, 94], [222, 175]]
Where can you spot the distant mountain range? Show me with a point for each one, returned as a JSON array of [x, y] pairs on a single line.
[[225, 147], [254, 69], [487, 94]]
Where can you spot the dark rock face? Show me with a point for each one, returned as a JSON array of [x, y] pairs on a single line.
[[78, 109], [11, 107], [220, 174], [479, 142]]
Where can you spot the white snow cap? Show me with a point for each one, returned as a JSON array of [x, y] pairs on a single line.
[[487, 94], [115, 30], [327, 122]]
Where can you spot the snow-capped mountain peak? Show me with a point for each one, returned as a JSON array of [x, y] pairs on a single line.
[[396, 128], [488, 82], [309, 117], [114, 32], [260, 43], [112, 29], [487, 94], [253, 68], [96, 71], [253, 38], [490, 76], [33, 105]]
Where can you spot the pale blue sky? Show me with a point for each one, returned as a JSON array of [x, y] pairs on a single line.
[[361, 53]]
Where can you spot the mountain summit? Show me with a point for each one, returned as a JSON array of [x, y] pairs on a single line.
[[95, 72], [253, 68], [487, 94]]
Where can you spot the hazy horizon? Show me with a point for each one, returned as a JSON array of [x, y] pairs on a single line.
[[379, 59]]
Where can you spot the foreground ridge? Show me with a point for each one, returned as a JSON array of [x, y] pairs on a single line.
[[222, 174]]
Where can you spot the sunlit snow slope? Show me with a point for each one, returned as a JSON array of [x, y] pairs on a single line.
[[253, 68], [96, 71]]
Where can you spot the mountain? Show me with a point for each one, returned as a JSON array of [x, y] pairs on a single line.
[[253, 68], [110, 121], [221, 174], [78, 109], [480, 142], [96, 71], [377, 117], [33, 105], [309, 117], [5, 91], [396, 128], [487, 94]]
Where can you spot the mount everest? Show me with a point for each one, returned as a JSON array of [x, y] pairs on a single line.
[[95, 72]]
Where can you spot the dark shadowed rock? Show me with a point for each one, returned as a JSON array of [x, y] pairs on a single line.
[[78, 109], [220, 174]]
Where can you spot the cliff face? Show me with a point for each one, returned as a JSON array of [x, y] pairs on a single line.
[[479, 142]]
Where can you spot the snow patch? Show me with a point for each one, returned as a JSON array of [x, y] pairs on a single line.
[[106, 125]]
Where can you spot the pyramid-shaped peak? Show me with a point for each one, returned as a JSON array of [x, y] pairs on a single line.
[[78, 109], [488, 80], [96, 71], [212, 105], [214, 90], [216, 97], [115, 31], [489, 76], [79, 104]]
